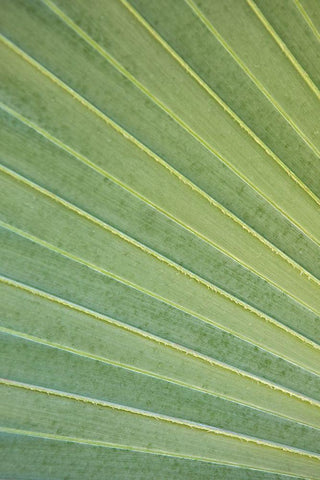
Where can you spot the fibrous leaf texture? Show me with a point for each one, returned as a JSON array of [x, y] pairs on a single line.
[[160, 234]]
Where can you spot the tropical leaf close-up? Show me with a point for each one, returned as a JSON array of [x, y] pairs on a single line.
[[160, 239]]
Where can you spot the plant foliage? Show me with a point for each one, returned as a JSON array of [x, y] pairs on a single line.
[[160, 235]]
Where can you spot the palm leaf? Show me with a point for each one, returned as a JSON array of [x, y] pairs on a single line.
[[160, 234]]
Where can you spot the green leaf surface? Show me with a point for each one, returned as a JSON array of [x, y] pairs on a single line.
[[311, 14], [160, 236], [143, 431], [95, 462]]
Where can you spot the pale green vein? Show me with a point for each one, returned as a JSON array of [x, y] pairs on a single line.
[[119, 279], [177, 119], [224, 105], [89, 442], [149, 251], [283, 47], [128, 443], [167, 343], [307, 19], [101, 171], [255, 80], [64, 438], [159, 160], [143, 290], [142, 430], [104, 318], [126, 187], [125, 366], [156, 416], [92, 165], [152, 374]]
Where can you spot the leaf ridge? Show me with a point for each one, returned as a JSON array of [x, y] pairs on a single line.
[[258, 84], [64, 438], [137, 331], [283, 47], [136, 287], [156, 416], [150, 153], [158, 256], [307, 18], [152, 294], [168, 379], [186, 226], [177, 119]]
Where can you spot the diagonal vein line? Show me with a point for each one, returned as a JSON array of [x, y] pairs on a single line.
[[307, 18], [19, 178], [120, 68], [254, 79], [219, 100], [136, 331], [98, 443], [86, 161], [214, 95], [115, 277], [85, 399], [151, 337], [159, 160], [132, 368], [147, 292], [157, 416], [169, 112], [160, 298], [284, 48], [150, 373]]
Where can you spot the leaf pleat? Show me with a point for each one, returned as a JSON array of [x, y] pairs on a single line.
[[160, 237]]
